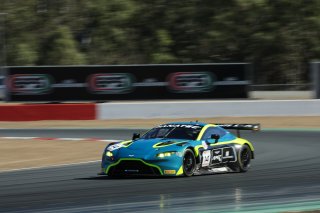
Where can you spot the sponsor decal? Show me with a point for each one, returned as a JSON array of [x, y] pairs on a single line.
[[216, 156], [111, 83], [169, 172], [191, 82], [30, 84], [180, 125], [115, 147], [226, 154]]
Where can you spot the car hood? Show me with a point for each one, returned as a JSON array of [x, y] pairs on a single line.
[[148, 144], [142, 148]]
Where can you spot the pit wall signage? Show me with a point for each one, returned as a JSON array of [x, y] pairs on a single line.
[[191, 82], [29, 84], [127, 82], [111, 83]]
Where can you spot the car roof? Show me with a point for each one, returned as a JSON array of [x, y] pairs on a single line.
[[190, 123]]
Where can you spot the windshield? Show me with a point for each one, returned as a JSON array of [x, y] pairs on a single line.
[[188, 132]]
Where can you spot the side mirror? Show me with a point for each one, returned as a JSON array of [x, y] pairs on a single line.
[[215, 137], [135, 136]]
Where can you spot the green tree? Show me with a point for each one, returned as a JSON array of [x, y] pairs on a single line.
[[113, 39], [163, 52], [62, 49], [279, 37], [24, 55]]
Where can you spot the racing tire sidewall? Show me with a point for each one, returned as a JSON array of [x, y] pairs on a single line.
[[188, 157], [242, 165]]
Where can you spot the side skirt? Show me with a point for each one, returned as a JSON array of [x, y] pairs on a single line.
[[216, 170]]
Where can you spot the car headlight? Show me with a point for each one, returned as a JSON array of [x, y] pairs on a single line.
[[165, 154], [109, 154]]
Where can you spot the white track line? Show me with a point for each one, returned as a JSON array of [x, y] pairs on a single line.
[[48, 167], [60, 139], [71, 139], [18, 138]]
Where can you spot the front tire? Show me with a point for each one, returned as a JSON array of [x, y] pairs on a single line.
[[244, 160], [189, 163]]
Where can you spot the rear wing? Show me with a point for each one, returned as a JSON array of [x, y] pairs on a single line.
[[238, 127]]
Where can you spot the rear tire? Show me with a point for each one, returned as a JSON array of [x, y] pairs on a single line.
[[188, 163], [244, 160]]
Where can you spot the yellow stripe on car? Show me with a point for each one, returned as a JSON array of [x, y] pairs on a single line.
[[126, 143], [158, 145], [180, 171], [203, 130]]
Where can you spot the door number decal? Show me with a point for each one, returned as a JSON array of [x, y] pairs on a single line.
[[206, 156]]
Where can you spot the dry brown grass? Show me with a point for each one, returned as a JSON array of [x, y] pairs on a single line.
[[16, 154]]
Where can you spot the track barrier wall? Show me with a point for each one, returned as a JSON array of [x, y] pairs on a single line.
[[35, 112], [154, 110], [127, 82], [202, 109]]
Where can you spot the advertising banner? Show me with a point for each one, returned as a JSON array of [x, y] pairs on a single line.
[[127, 82]]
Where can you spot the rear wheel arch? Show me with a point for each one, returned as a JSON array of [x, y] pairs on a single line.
[[243, 161], [250, 147]]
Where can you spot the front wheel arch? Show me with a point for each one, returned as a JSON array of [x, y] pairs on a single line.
[[194, 152], [188, 162]]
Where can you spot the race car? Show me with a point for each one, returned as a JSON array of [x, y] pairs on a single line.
[[180, 149]]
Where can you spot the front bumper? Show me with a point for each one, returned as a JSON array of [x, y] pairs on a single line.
[[130, 166], [133, 167]]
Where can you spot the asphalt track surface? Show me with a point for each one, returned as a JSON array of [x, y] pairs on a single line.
[[284, 176]]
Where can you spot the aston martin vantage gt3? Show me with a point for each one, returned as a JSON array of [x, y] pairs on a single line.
[[181, 149]]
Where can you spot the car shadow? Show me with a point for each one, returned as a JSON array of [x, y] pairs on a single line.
[[104, 177], [138, 177]]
